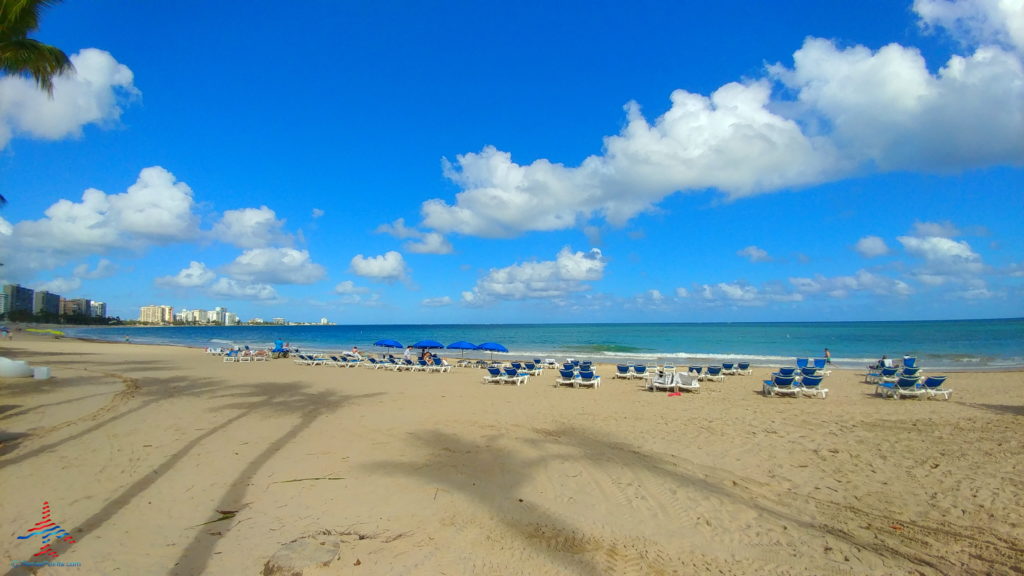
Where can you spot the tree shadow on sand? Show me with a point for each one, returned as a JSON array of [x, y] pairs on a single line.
[[253, 400], [562, 543]]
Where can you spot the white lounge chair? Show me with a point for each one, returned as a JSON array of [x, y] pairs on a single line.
[[811, 386], [932, 386], [781, 386]]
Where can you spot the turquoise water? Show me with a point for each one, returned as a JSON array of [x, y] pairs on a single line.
[[950, 345]]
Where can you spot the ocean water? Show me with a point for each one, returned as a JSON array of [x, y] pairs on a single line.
[[947, 345]]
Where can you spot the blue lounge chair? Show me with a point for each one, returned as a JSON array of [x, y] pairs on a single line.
[[908, 388], [517, 377], [494, 376], [786, 371], [811, 386], [714, 373], [910, 361], [802, 362], [567, 377], [932, 386], [782, 386], [623, 371], [728, 368], [640, 371], [588, 379], [743, 368]]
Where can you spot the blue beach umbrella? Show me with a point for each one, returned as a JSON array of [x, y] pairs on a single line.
[[387, 343], [492, 347], [462, 345], [424, 344]]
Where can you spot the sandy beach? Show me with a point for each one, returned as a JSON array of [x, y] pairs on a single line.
[[164, 460]]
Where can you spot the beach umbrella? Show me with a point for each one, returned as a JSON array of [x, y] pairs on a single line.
[[492, 347], [387, 343], [424, 344], [462, 345]]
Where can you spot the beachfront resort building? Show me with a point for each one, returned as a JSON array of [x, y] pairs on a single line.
[[76, 307], [44, 302], [156, 314], [18, 298]]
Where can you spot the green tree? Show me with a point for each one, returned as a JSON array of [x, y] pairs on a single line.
[[20, 54]]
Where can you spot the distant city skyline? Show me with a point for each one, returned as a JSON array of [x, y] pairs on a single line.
[[484, 162]]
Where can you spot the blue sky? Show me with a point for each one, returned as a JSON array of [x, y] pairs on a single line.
[[387, 162]]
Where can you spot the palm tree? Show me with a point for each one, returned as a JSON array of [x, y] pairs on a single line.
[[20, 54]]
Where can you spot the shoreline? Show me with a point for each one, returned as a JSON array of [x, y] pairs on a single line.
[[425, 473]]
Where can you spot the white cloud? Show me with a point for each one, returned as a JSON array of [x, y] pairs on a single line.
[[104, 269], [317, 213], [156, 209], [349, 287], [197, 274], [546, 279], [977, 21], [941, 229], [388, 267], [231, 288], [856, 110], [419, 242], [754, 254], [61, 286], [871, 247], [91, 95], [251, 228], [843, 286], [682, 292], [945, 259], [437, 302], [275, 266]]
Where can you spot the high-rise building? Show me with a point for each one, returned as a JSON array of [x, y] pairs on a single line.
[[18, 299], [44, 302], [156, 314], [76, 307], [99, 309]]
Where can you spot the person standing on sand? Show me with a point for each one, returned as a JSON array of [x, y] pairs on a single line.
[[408, 354], [828, 356]]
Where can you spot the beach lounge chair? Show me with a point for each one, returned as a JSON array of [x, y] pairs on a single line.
[[623, 371], [588, 379], [811, 386], [809, 371], [743, 368], [781, 385], [820, 364], [713, 373], [494, 376], [688, 382], [932, 386], [802, 362], [517, 377], [663, 381], [231, 356], [698, 370], [729, 368], [908, 388], [910, 372], [910, 362], [884, 375], [786, 371], [533, 368], [441, 365], [566, 377], [640, 371]]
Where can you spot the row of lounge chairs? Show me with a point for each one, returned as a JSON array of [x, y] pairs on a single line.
[[436, 364], [505, 375], [582, 377], [794, 385], [914, 387], [246, 356], [340, 361]]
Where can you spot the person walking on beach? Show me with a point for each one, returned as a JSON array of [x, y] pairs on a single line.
[[408, 354], [828, 356]]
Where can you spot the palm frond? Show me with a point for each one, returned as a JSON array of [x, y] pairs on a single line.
[[41, 61]]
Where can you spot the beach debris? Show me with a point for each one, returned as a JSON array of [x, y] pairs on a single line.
[[308, 479], [224, 515], [307, 552]]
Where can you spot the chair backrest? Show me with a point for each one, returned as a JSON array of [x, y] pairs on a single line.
[[567, 373], [622, 369], [909, 361], [494, 371], [808, 371], [819, 362], [783, 381], [568, 366], [511, 372], [890, 371], [743, 365], [934, 381], [530, 366], [517, 365], [586, 375], [801, 362], [438, 361], [787, 371], [907, 382], [811, 381], [697, 369], [727, 365], [640, 369], [714, 370], [910, 372]]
